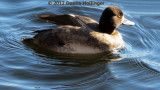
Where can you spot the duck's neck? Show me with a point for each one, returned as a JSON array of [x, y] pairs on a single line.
[[106, 25], [106, 28]]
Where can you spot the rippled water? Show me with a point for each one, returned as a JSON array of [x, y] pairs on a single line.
[[25, 66]]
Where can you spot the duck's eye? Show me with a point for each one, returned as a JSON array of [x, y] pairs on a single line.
[[119, 16]]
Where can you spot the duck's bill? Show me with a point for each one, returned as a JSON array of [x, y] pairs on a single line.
[[127, 22]]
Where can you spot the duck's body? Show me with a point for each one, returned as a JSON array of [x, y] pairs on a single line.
[[73, 39], [79, 34]]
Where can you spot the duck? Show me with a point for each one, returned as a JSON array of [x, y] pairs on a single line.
[[83, 35]]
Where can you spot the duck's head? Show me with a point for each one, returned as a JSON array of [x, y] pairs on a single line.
[[111, 18]]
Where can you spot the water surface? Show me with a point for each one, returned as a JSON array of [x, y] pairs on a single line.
[[25, 66]]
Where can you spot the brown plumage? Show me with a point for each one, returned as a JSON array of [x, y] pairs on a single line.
[[79, 34]]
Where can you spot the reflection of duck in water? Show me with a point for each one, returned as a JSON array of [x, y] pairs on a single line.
[[79, 34]]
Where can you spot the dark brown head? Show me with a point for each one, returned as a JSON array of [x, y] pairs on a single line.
[[111, 18]]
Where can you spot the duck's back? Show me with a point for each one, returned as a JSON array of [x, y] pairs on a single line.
[[70, 19]]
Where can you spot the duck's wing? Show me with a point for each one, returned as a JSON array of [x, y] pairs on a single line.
[[65, 34], [70, 19]]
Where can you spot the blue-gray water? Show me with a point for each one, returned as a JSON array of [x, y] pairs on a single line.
[[24, 66]]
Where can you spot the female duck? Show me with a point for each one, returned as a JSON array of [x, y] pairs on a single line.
[[79, 34]]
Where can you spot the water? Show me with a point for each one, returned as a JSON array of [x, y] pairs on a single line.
[[25, 66]]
